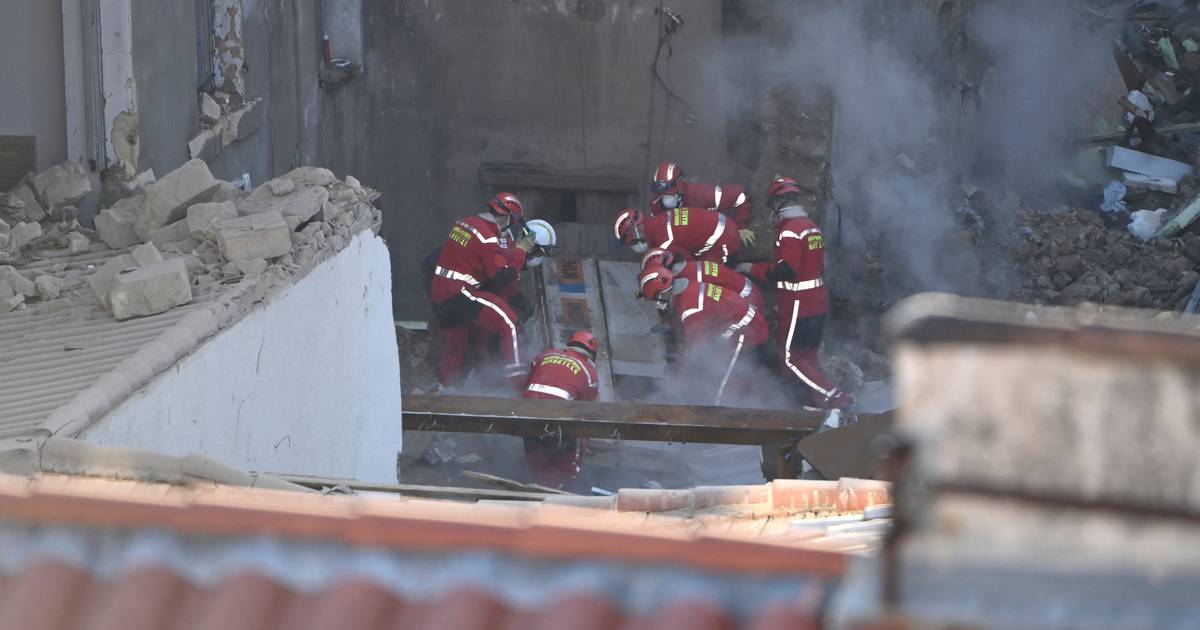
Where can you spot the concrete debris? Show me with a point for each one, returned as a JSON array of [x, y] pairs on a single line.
[[174, 233], [146, 254], [117, 225], [150, 290], [202, 219], [78, 243], [1145, 182], [64, 185], [138, 184], [32, 208], [251, 268], [6, 290], [22, 234], [18, 283], [312, 176], [299, 206], [206, 145], [226, 191], [1146, 164], [262, 235], [168, 199], [282, 186], [210, 111], [10, 304], [329, 211], [48, 287], [102, 279]]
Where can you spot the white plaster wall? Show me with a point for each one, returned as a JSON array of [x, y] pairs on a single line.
[[308, 383]]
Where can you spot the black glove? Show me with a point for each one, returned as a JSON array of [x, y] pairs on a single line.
[[522, 306]]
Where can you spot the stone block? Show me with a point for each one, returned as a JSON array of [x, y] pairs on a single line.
[[251, 268], [281, 186], [101, 280], [202, 219], [168, 199], [150, 290], [226, 191], [9, 304], [138, 184], [329, 211], [146, 254], [302, 204], [210, 111], [64, 185], [312, 176], [78, 243], [20, 284], [6, 290], [117, 225], [264, 235], [206, 145], [174, 233], [24, 233], [33, 208], [48, 286]]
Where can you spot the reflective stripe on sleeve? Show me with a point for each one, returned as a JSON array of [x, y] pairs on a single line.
[[549, 390]]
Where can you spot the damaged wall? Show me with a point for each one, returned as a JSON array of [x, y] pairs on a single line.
[[276, 393], [33, 101]]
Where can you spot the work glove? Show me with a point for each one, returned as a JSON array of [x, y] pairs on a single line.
[[748, 236], [526, 244], [744, 268]]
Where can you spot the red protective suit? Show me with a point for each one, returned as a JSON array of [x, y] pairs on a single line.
[[477, 269], [731, 200], [565, 375], [715, 321], [722, 276], [694, 234], [803, 301]]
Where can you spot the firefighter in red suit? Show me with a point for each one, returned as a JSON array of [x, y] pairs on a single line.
[[476, 272], [567, 374], [796, 274], [719, 327], [707, 272], [672, 191], [688, 233]]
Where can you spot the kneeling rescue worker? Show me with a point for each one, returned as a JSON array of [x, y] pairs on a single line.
[[796, 273], [689, 233], [712, 319], [567, 374], [707, 272], [476, 272]]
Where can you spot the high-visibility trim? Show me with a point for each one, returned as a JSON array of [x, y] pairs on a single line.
[[787, 356], [699, 306], [742, 323], [648, 278], [803, 235], [807, 285], [737, 351], [717, 194], [740, 200], [670, 236], [549, 390], [747, 290], [716, 236], [511, 327], [454, 275], [491, 240]]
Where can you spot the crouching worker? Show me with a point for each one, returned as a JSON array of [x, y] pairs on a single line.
[[567, 374]]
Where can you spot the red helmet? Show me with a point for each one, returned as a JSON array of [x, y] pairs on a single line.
[[586, 341], [783, 186], [506, 204], [666, 177], [626, 226], [657, 258], [654, 281]]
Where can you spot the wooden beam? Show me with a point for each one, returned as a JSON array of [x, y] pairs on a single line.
[[452, 493], [655, 423]]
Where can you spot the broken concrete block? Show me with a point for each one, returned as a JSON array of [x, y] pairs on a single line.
[[32, 207], [146, 254], [117, 225], [168, 199], [263, 235], [302, 204], [101, 281], [20, 284], [9, 304], [210, 111], [150, 290], [1146, 182], [78, 243], [23, 233], [64, 185], [226, 191], [251, 268], [206, 145], [245, 121], [202, 219], [137, 185], [312, 176], [48, 286], [6, 290], [230, 271], [174, 233], [329, 211], [282, 186]]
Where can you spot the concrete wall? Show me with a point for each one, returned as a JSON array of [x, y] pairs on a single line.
[[33, 101], [307, 383], [164, 51], [451, 85]]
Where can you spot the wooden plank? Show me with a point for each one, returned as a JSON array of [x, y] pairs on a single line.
[[654, 423], [635, 350]]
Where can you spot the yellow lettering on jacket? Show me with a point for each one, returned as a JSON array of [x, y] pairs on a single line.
[[569, 363]]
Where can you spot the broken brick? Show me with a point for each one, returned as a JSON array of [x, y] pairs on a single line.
[[263, 235], [150, 290], [116, 225], [168, 199]]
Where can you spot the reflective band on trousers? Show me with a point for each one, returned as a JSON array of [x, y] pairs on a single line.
[[747, 289], [549, 390], [745, 321], [800, 286], [454, 275], [716, 236]]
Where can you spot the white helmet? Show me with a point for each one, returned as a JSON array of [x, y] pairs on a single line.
[[546, 239]]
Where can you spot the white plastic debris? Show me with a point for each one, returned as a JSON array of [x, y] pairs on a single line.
[[1144, 224], [1114, 198]]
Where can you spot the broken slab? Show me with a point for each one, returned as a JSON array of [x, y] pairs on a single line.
[[251, 268], [206, 145], [150, 290], [63, 185], [281, 186], [9, 304], [312, 176], [210, 111], [1146, 182], [117, 225], [263, 235], [174, 233], [78, 243], [32, 207], [24, 233], [48, 287], [101, 281], [300, 205], [202, 219], [146, 254], [18, 283], [168, 199], [1146, 164]]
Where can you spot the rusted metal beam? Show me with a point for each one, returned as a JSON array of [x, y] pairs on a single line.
[[656, 423]]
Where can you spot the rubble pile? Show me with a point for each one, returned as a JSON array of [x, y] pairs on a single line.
[[185, 232]]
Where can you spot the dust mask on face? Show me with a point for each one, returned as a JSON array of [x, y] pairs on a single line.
[[671, 202], [639, 247]]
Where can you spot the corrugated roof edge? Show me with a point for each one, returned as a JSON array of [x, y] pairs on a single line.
[[21, 455]]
